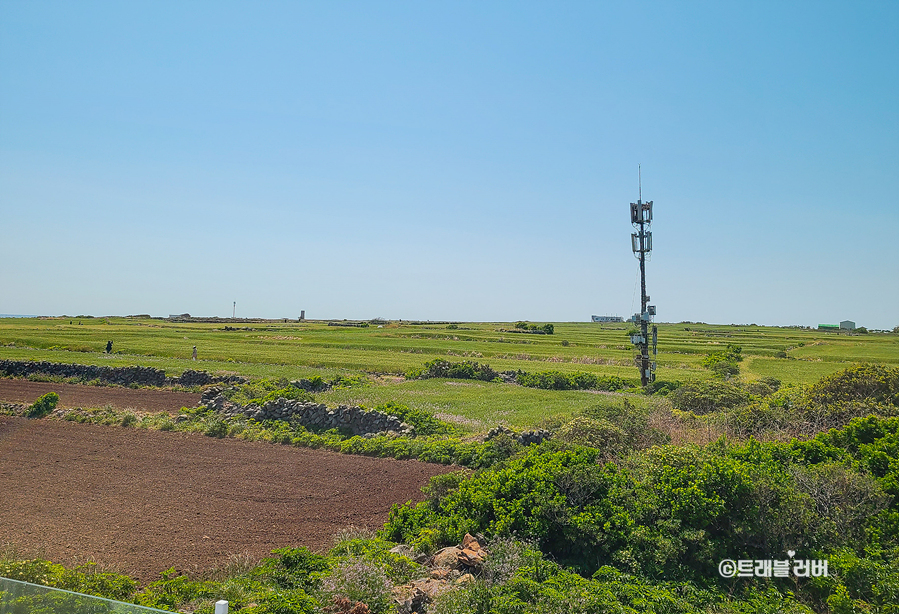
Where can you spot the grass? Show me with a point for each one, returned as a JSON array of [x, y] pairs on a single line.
[[295, 350]]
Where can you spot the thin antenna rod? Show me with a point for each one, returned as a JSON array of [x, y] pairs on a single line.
[[640, 183]]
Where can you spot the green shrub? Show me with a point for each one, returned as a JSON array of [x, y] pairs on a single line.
[[596, 433], [424, 422], [467, 369], [579, 380], [293, 568], [43, 406], [859, 383], [129, 420], [360, 580], [705, 397], [216, 428]]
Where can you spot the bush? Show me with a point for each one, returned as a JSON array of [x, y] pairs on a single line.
[[43, 406], [706, 397], [546, 329], [360, 580], [860, 383], [579, 380], [467, 369], [724, 363], [216, 428], [293, 568], [424, 422], [596, 433]]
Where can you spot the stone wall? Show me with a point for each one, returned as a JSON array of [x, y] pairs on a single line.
[[525, 438], [311, 415], [123, 376]]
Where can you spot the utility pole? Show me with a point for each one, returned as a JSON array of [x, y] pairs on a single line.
[[641, 244], [234, 311]]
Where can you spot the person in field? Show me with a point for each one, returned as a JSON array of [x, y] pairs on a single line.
[[194, 356], [109, 347]]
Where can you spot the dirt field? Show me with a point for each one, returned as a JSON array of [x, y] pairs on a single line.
[[74, 395], [142, 501]]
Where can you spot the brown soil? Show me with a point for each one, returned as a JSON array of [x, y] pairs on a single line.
[[140, 501], [76, 395]]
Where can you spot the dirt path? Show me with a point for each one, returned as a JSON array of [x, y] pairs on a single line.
[[142, 501], [75, 395]]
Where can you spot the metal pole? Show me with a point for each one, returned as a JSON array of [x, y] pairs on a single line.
[[644, 325]]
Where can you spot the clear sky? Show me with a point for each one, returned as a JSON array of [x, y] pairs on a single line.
[[450, 160]]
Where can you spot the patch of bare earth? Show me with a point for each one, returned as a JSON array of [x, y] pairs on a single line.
[[140, 501], [79, 395]]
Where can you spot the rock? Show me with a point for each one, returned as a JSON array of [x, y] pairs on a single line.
[[468, 540], [472, 558], [429, 589], [465, 579], [447, 557]]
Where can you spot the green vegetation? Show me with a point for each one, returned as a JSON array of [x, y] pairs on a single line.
[[758, 441], [724, 363], [467, 369], [555, 380], [43, 406]]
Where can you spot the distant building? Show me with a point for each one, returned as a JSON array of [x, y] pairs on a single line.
[[847, 325], [607, 318]]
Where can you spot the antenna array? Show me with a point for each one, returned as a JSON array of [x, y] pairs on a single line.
[[641, 244]]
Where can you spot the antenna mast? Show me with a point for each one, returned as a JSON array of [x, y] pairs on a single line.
[[641, 244]]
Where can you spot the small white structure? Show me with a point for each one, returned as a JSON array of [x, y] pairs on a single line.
[[847, 325], [607, 318]]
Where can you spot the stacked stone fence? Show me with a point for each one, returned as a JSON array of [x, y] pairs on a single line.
[[525, 438], [123, 376], [311, 415]]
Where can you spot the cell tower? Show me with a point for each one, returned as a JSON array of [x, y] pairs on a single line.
[[641, 244]]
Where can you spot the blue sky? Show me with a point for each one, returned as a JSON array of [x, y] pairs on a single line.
[[450, 160]]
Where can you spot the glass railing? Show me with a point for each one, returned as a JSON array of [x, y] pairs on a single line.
[[18, 597]]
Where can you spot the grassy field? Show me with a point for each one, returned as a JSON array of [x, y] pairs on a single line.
[[382, 353]]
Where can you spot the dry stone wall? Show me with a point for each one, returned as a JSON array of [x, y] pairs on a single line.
[[311, 415], [525, 438], [123, 376]]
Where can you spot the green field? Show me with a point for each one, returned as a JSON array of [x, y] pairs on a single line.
[[383, 353]]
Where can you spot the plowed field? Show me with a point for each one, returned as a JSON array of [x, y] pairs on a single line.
[[141, 501], [75, 395]]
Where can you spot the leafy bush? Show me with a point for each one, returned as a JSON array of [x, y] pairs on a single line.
[[467, 369], [293, 568], [632, 421], [579, 380], [43, 406], [724, 363], [705, 397], [216, 428], [546, 329], [261, 391], [82, 579], [362, 581], [424, 422], [833, 402], [866, 382], [595, 433]]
